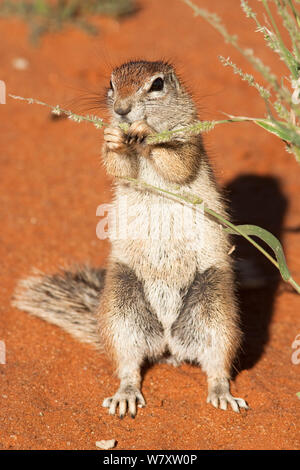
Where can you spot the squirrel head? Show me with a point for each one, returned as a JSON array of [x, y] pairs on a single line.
[[150, 91]]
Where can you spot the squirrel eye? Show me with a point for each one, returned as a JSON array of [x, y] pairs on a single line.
[[157, 85]]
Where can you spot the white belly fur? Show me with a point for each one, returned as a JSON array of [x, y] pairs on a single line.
[[166, 266]]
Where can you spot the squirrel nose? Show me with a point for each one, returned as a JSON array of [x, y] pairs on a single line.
[[122, 108]]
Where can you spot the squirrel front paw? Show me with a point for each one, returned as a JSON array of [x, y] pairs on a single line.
[[120, 142], [115, 139], [138, 131]]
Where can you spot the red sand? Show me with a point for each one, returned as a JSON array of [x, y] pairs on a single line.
[[51, 183]]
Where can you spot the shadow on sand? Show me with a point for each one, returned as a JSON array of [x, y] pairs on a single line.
[[256, 200]]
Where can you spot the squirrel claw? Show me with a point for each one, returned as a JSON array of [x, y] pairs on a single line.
[[125, 400], [221, 401], [138, 131]]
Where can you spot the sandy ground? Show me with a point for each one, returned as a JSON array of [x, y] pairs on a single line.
[[51, 182]]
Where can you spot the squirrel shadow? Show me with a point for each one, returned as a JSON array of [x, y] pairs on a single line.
[[256, 200]]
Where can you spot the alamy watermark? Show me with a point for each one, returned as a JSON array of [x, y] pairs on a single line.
[[160, 221], [2, 92], [2, 353]]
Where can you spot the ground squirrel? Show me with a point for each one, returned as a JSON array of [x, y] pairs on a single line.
[[159, 297]]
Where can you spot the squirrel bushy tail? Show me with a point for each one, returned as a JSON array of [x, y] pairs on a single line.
[[68, 299]]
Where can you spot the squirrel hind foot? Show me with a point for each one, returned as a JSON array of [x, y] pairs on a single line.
[[125, 399], [219, 396]]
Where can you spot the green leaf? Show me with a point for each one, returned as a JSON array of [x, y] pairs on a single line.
[[271, 241], [280, 130], [271, 127]]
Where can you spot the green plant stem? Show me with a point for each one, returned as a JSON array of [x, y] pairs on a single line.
[[295, 13], [195, 200], [58, 110], [197, 127], [282, 93], [285, 52], [291, 24], [265, 3], [294, 285], [289, 135], [214, 21]]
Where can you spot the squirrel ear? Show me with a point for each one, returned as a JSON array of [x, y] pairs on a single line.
[[174, 80]]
